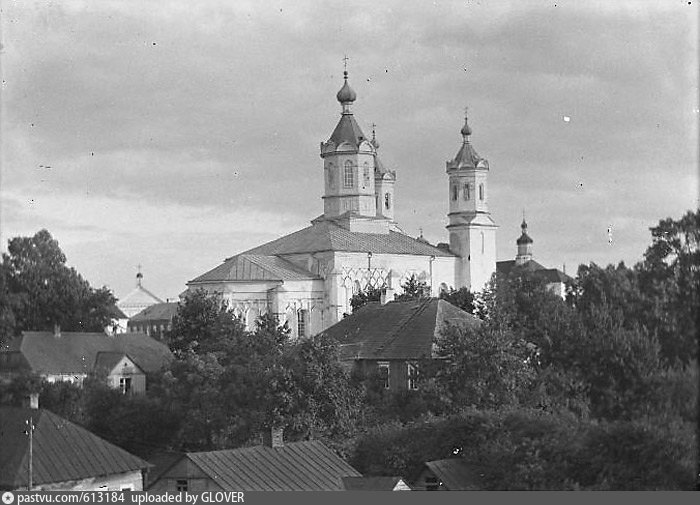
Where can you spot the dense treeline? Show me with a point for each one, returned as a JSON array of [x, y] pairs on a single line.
[[598, 391]]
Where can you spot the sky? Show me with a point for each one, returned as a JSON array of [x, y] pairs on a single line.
[[172, 135]]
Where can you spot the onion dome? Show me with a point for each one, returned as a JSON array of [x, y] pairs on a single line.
[[466, 130], [524, 238], [346, 95]]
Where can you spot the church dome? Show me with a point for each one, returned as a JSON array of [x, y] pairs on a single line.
[[466, 130], [346, 93], [524, 238]]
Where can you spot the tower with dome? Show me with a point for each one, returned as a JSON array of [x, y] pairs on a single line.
[[308, 277]]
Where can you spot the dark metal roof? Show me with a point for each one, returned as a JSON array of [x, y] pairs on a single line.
[[396, 330], [455, 474], [347, 130], [255, 267], [62, 451], [298, 466], [524, 239], [76, 353], [159, 311], [107, 360], [550, 275]]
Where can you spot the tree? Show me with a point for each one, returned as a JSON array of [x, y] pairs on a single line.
[[38, 290], [462, 298], [362, 298], [413, 289]]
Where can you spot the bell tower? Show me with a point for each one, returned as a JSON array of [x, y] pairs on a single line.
[[472, 231]]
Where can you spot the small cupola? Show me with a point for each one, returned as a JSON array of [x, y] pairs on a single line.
[[524, 244], [346, 96]]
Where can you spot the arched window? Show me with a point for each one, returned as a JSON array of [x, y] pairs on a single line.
[[481, 192], [455, 192], [365, 174], [376, 201], [387, 201], [349, 175], [467, 191]]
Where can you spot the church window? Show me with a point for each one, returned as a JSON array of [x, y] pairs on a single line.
[[384, 374], [481, 192], [455, 192], [482, 242], [387, 201], [366, 174], [349, 175], [302, 319], [467, 191]]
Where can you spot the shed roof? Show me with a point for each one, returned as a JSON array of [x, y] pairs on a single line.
[[76, 353], [62, 450], [396, 330], [297, 466], [455, 474]]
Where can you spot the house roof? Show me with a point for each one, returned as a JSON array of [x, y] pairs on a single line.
[[297, 466], [327, 235], [455, 474], [159, 311], [62, 451], [76, 353], [373, 483], [396, 330], [255, 267], [107, 360], [550, 275]]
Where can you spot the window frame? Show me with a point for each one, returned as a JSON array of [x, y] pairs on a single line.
[[384, 365], [411, 376], [349, 175]]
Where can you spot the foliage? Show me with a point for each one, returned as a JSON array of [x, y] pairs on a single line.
[[413, 289], [38, 290], [462, 298], [364, 297]]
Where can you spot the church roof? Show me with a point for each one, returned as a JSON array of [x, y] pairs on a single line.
[[396, 330], [550, 275], [139, 296], [255, 267], [467, 156], [326, 235], [347, 130]]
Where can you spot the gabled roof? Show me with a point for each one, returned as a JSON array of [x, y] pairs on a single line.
[[375, 484], [326, 235], [297, 466], [138, 296], [550, 275], [62, 451], [157, 312], [76, 353], [455, 474], [255, 267], [396, 330], [107, 360]]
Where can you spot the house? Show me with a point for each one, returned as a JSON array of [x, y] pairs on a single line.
[[273, 466], [124, 359], [64, 456], [555, 280], [452, 474], [375, 484], [307, 278], [393, 337], [154, 320]]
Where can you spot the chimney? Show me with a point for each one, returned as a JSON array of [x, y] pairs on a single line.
[[274, 437], [32, 401], [57, 330], [387, 296]]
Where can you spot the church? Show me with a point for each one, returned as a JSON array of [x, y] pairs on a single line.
[[308, 277]]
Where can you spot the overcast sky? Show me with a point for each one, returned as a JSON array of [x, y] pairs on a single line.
[[175, 134]]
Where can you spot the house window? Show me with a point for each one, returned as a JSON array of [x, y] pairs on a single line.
[[455, 192], [481, 192], [302, 317], [349, 175], [387, 201], [467, 191], [412, 374], [365, 174], [125, 385], [384, 374], [181, 485]]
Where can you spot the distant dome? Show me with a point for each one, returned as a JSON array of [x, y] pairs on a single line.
[[466, 131], [346, 93]]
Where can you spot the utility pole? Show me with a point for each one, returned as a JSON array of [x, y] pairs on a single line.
[[30, 433]]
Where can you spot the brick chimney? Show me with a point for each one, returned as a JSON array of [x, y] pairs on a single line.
[[387, 296], [274, 437]]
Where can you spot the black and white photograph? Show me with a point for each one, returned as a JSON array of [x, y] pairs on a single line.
[[304, 245]]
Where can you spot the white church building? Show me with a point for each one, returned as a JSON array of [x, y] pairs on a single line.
[[308, 277]]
